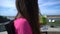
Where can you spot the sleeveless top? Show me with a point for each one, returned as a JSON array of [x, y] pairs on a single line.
[[22, 26]]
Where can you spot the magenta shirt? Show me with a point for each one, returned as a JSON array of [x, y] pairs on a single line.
[[22, 26]]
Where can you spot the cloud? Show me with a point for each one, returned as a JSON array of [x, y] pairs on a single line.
[[53, 13], [50, 12], [49, 7], [50, 3], [8, 12], [7, 3], [57, 7], [7, 8], [46, 1]]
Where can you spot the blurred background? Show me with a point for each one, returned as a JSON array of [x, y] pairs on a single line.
[[49, 13]]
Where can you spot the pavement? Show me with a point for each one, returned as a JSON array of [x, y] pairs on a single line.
[[49, 29], [4, 32]]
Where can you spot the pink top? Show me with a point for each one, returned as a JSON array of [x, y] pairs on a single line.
[[22, 26]]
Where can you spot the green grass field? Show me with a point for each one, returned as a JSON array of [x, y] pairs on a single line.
[[56, 23]]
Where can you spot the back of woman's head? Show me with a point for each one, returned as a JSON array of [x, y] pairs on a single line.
[[29, 10]]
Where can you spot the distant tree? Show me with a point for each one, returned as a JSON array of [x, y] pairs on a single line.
[[3, 19], [43, 19]]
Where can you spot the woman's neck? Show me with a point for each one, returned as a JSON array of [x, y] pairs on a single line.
[[19, 15]]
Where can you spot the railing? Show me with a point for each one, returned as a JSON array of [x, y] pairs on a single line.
[[2, 27]]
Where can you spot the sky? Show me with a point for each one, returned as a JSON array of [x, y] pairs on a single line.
[[8, 8], [46, 7], [49, 7]]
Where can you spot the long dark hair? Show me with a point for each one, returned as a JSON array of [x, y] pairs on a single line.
[[29, 10]]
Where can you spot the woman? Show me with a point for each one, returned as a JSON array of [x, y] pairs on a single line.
[[27, 21]]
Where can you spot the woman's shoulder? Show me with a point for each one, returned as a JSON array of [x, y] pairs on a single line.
[[20, 20]]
